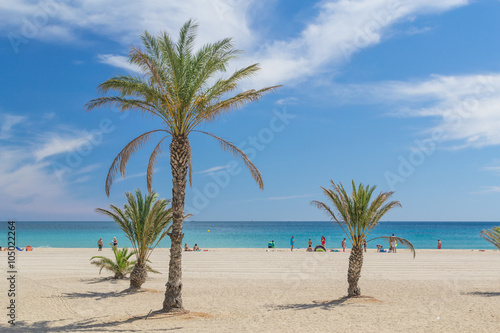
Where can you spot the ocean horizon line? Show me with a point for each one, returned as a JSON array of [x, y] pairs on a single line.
[[273, 221]]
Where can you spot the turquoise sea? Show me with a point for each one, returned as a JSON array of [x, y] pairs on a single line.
[[423, 235]]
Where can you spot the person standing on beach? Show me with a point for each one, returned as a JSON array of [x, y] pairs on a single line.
[[115, 243], [99, 244], [344, 244], [439, 244], [310, 243], [323, 241], [392, 240], [364, 244], [292, 241]]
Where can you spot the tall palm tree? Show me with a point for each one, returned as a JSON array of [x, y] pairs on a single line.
[[492, 235], [357, 217], [145, 221], [180, 88]]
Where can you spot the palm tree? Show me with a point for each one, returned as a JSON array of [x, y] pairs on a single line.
[[121, 266], [357, 217], [492, 235], [178, 87], [145, 221]]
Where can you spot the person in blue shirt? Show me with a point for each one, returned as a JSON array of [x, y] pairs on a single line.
[[270, 245], [292, 241]]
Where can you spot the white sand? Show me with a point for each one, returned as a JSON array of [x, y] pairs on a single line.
[[259, 291]]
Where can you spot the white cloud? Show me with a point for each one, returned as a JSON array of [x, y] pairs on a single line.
[[55, 144], [466, 107], [340, 29], [30, 189], [488, 189], [118, 61], [124, 20], [8, 121], [287, 101]]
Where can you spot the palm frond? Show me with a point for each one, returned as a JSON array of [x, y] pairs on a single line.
[[152, 163], [235, 151], [492, 235], [120, 161]]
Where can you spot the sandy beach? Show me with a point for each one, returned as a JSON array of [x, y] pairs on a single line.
[[252, 290]]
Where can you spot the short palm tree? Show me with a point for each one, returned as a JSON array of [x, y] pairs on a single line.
[[492, 235], [121, 266], [182, 89], [146, 221], [357, 217]]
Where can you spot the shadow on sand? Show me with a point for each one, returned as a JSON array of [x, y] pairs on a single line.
[[87, 325], [108, 279], [483, 293], [327, 305]]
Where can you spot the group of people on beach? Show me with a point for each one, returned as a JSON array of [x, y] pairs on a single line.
[[99, 244], [195, 247], [343, 244]]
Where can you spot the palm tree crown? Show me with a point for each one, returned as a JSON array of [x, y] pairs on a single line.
[[145, 221], [179, 87], [356, 215]]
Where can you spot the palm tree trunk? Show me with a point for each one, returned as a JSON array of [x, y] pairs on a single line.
[[138, 276], [354, 271], [179, 156]]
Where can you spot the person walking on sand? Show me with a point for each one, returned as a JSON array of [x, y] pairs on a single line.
[[439, 244], [292, 241], [99, 244], [344, 244], [323, 241], [364, 244], [115, 243]]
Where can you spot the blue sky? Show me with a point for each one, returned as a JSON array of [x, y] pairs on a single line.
[[404, 95]]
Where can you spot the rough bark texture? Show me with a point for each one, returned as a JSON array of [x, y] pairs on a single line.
[[138, 276], [354, 272], [179, 156]]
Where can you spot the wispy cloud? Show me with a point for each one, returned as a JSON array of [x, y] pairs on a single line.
[[466, 107], [87, 169], [58, 143], [30, 189], [118, 61], [137, 175], [7, 122], [210, 170], [287, 101], [488, 189], [289, 197]]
